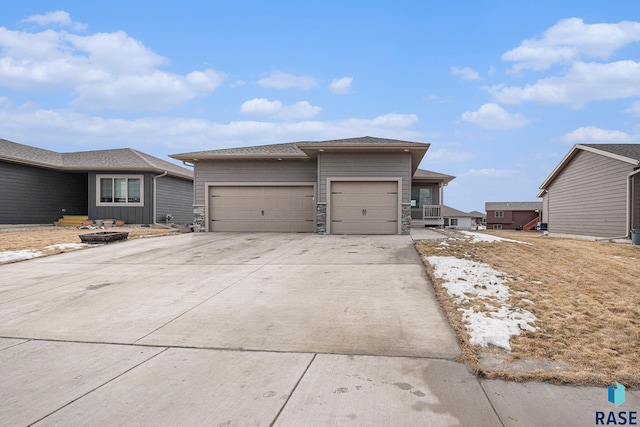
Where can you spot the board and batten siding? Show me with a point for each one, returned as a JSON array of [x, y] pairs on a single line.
[[251, 171], [589, 197], [129, 214], [32, 195], [174, 197], [356, 165]]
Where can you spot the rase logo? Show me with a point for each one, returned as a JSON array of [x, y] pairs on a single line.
[[615, 395]]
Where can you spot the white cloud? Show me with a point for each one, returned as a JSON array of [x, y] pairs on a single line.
[[585, 82], [492, 116], [105, 70], [59, 18], [299, 111], [261, 107], [156, 91], [465, 73], [592, 134], [278, 80], [341, 86], [46, 128], [572, 39], [302, 110]]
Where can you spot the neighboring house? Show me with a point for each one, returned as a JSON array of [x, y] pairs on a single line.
[[347, 186], [478, 219], [454, 218], [512, 215], [39, 186], [594, 191]]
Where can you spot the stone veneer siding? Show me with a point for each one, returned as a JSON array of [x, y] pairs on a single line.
[[406, 219], [321, 218], [199, 218]]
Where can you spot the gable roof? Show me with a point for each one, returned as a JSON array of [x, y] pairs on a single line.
[[477, 214], [426, 175], [512, 206], [449, 212], [310, 149], [120, 159], [628, 153]]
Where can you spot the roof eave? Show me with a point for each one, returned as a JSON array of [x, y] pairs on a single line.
[[195, 157]]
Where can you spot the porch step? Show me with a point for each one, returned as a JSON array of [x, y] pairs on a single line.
[[71, 220]]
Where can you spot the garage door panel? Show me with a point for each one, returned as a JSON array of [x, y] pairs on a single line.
[[262, 208], [364, 207]]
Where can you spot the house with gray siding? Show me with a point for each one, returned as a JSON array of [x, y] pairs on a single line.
[[512, 215], [348, 186], [594, 192], [458, 220], [40, 186]]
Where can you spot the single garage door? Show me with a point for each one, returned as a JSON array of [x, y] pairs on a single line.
[[364, 207], [262, 208]]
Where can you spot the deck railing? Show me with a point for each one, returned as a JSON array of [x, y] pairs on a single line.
[[431, 212]]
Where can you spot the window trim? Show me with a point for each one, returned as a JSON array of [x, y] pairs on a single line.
[[499, 214], [99, 177]]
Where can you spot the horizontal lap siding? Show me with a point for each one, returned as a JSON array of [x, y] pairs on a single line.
[[30, 195], [589, 197], [354, 165], [258, 171], [174, 197], [130, 215]]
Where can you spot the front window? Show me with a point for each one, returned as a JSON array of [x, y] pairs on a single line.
[[420, 197], [499, 214], [119, 190], [454, 222]]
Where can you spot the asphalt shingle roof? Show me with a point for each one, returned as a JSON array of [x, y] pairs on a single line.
[[125, 159], [513, 206], [426, 174], [631, 151], [448, 211], [293, 148]]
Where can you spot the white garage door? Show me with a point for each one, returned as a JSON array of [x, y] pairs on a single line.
[[258, 208], [369, 207]]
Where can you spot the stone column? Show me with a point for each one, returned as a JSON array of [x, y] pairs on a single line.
[[321, 218], [199, 218], [405, 227]]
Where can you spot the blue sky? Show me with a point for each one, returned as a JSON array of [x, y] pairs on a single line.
[[501, 89]]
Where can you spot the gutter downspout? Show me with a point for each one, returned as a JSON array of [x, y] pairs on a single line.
[[629, 205], [155, 203]]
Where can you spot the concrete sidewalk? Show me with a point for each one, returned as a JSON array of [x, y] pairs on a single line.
[[235, 329]]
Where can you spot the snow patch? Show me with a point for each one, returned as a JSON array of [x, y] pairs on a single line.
[[472, 281], [21, 255], [481, 237], [63, 246]]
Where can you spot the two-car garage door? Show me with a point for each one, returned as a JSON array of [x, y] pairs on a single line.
[[355, 207], [262, 208]]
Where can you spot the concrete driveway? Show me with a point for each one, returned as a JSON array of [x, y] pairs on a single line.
[[233, 329]]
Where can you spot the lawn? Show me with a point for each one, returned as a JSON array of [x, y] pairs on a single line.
[[16, 245], [585, 297]]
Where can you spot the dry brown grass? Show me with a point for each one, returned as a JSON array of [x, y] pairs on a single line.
[[38, 239], [586, 298]]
